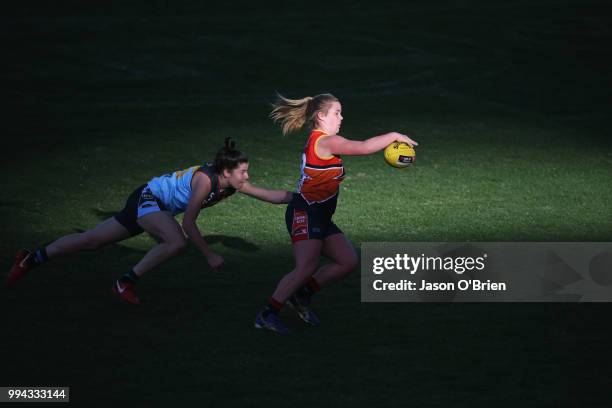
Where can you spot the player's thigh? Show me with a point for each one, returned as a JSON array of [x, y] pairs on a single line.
[[162, 225], [108, 231], [339, 249], [307, 253]]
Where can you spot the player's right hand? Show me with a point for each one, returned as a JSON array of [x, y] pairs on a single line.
[[405, 139], [215, 261]]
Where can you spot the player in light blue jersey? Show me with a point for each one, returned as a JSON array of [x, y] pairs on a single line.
[[152, 207]]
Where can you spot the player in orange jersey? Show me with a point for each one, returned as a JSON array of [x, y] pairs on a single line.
[[309, 214]]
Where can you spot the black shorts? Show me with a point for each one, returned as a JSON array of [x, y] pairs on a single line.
[[312, 221], [139, 203]]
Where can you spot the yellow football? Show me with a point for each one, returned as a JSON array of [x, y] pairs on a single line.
[[400, 155]]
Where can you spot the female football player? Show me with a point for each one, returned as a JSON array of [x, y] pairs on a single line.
[[152, 207], [309, 214]]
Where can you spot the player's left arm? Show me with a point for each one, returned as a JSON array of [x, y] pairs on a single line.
[[271, 196]]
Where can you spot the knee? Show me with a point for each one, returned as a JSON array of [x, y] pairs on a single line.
[[351, 263], [305, 270], [177, 246]]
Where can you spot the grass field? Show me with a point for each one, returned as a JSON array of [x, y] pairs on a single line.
[[510, 102]]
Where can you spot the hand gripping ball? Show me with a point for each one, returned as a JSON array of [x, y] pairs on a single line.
[[399, 155]]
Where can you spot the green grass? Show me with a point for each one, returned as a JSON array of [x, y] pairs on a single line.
[[508, 100]]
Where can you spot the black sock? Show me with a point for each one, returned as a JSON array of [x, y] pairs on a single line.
[[37, 257], [129, 277]]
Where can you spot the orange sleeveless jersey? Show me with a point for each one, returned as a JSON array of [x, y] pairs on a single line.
[[321, 176]]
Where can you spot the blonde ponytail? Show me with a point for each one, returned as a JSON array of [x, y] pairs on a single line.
[[292, 114]]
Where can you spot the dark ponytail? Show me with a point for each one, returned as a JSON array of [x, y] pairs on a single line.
[[228, 158]]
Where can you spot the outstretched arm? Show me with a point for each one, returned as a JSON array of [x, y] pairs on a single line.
[[339, 145], [271, 196]]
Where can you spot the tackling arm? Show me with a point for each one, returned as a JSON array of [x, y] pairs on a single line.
[[271, 196]]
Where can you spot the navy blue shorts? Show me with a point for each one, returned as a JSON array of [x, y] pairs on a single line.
[[312, 221], [140, 203]]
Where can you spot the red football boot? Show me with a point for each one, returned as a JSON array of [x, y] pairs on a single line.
[[126, 292], [19, 267]]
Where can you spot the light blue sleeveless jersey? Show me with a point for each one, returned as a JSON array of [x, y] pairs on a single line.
[[174, 189]]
